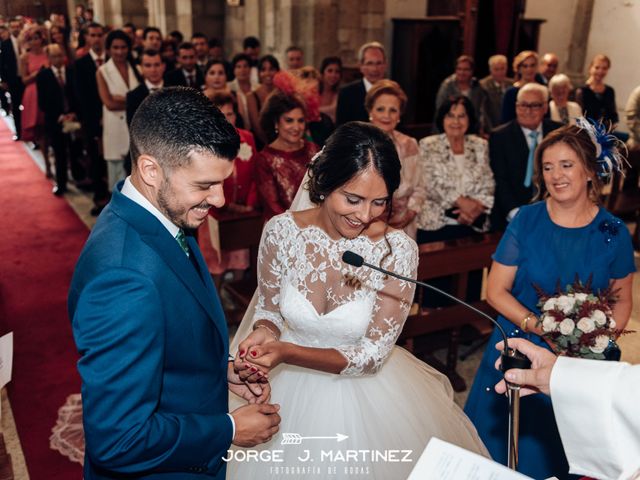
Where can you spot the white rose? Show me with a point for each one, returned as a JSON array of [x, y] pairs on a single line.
[[601, 342], [549, 323], [566, 326], [581, 297], [566, 304], [586, 325], [549, 304], [599, 317], [612, 323]]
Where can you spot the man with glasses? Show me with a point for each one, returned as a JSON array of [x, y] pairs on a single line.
[[511, 152], [373, 64]]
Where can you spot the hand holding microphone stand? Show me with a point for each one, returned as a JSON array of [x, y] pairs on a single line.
[[510, 358]]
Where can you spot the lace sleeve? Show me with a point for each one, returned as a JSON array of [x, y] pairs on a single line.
[[270, 271], [392, 304]]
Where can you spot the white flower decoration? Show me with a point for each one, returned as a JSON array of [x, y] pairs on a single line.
[[549, 323], [566, 304], [549, 304], [586, 325], [245, 152], [612, 323], [601, 342], [566, 326], [599, 317], [581, 297]]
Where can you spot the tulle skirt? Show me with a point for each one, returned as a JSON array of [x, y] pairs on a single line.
[[388, 418]]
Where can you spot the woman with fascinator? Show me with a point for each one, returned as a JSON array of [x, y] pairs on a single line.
[[563, 236], [324, 332]]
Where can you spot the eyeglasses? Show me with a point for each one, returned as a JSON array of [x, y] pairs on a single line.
[[373, 64], [529, 106]]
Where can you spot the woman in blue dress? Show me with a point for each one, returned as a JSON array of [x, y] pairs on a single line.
[[563, 235]]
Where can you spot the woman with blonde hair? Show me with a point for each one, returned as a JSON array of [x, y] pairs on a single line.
[[598, 100], [385, 103], [525, 67]]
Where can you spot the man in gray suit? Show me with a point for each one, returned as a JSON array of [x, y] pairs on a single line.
[[495, 84]]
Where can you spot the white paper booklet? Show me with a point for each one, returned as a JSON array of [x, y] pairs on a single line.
[[444, 461]]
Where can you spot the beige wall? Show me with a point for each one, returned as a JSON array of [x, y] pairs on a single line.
[[555, 33]]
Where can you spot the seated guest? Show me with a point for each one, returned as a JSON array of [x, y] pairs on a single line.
[[525, 66], [597, 99], [330, 77], [251, 47], [373, 64], [462, 82], [240, 194], [241, 85], [385, 103], [560, 108], [151, 39], [495, 84], [268, 66], [57, 101], [152, 68], [511, 151], [456, 174], [283, 162], [632, 116], [216, 52], [295, 57], [548, 68], [188, 75], [215, 79]]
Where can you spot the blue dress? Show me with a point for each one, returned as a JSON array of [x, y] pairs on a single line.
[[545, 254]]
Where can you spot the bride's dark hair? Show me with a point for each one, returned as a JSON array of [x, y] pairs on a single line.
[[350, 150]]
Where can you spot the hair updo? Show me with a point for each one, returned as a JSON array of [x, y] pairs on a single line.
[[350, 150]]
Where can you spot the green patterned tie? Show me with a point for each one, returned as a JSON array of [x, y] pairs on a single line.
[[182, 241]]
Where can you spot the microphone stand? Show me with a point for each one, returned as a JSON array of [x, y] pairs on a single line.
[[510, 358]]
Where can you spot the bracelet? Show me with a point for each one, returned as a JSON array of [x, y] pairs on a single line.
[[523, 323], [276, 337]]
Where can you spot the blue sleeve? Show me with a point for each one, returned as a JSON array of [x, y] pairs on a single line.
[[622, 263], [119, 330], [508, 251]]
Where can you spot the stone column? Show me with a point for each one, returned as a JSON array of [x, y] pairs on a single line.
[[184, 21], [579, 40], [157, 15]]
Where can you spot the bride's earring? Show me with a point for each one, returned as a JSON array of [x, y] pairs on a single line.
[[321, 197]]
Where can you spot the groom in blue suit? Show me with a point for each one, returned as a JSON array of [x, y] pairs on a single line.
[[146, 318]]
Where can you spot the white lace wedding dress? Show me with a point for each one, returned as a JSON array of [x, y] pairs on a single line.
[[387, 402]]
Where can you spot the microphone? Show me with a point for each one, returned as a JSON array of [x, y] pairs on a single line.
[[510, 358]]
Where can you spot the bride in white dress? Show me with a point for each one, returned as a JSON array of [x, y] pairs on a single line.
[[352, 403]]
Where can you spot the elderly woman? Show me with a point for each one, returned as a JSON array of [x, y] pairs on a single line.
[[598, 100], [456, 175], [385, 103], [525, 66], [560, 108], [562, 237], [283, 162], [463, 83]]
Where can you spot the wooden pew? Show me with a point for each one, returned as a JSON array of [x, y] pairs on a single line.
[[238, 231], [456, 258]]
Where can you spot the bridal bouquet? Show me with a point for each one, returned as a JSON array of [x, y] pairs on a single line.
[[579, 323]]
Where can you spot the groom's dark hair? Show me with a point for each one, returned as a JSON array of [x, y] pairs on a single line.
[[173, 123], [353, 148]]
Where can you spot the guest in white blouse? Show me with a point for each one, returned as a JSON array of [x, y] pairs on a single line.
[[385, 102], [242, 85], [115, 78], [331, 76], [560, 108], [457, 177]]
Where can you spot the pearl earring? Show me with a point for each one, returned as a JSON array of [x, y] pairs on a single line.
[[321, 197]]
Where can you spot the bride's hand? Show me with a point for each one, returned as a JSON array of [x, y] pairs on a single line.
[[268, 356], [251, 392]]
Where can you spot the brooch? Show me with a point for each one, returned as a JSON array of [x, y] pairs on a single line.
[[609, 229]]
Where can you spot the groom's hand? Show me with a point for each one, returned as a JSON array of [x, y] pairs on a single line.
[[255, 424], [251, 392]]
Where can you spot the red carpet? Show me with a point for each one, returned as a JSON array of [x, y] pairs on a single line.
[[40, 242]]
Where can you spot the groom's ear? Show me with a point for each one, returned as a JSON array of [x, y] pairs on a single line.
[[149, 171]]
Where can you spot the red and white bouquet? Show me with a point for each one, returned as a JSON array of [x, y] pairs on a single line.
[[579, 323]]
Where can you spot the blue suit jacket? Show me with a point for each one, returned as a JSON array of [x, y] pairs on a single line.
[[154, 349]]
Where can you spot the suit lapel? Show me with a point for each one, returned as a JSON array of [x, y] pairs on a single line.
[[160, 240], [521, 149]]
